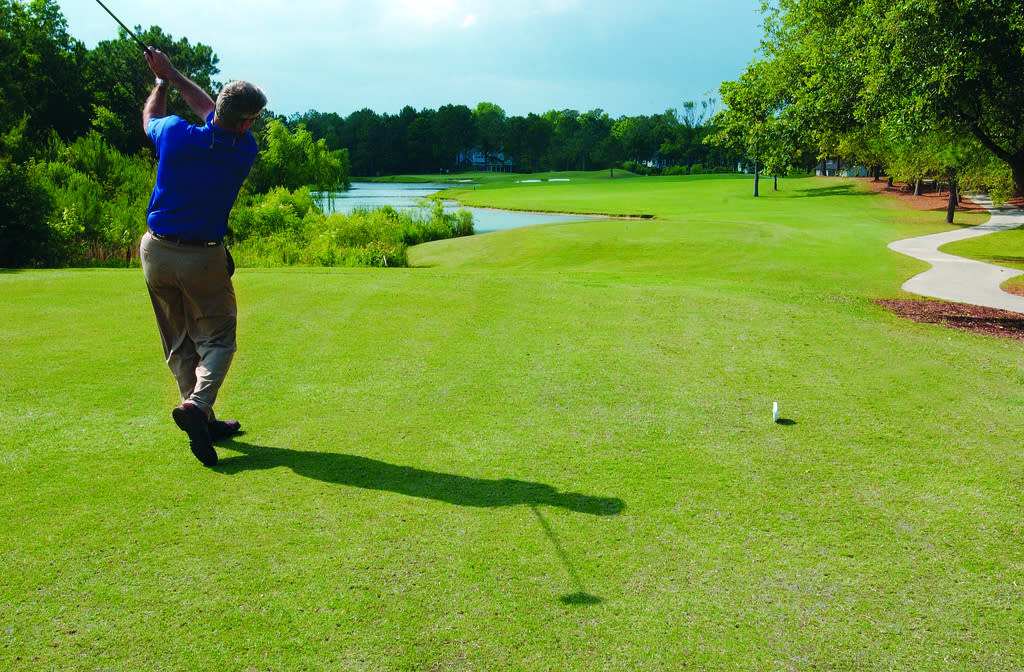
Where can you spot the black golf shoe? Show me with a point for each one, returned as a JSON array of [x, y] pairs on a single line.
[[193, 422], [223, 429]]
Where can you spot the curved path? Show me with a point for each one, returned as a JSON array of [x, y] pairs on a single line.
[[962, 280]]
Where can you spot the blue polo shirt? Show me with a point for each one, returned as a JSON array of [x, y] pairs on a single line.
[[200, 170]]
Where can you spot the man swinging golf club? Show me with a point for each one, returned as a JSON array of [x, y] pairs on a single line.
[[200, 171]]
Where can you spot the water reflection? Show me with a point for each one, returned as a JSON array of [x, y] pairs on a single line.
[[403, 196]]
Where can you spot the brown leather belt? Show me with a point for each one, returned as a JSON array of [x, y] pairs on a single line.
[[191, 242]]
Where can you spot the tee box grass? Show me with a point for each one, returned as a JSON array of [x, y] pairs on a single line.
[[545, 448]]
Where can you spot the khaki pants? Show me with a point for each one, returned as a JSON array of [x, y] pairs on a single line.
[[194, 302]]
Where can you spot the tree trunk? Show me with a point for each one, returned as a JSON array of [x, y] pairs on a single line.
[[917, 187], [951, 208], [776, 185], [1014, 161], [757, 175], [1017, 170]]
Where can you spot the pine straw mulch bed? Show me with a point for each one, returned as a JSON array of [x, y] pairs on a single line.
[[929, 198], [962, 316]]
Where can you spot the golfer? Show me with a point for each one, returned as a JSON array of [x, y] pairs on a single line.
[[200, 170]]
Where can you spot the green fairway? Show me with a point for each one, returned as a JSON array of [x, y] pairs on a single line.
[[547, 448], [1004, 248], [476, 177]]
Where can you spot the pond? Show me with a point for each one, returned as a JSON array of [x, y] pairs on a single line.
[[403, 196]]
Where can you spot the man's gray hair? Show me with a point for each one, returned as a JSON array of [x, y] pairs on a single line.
[[239, 101]]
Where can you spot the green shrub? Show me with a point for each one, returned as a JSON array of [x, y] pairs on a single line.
[[24, 205], [992, 176], [283, 228], [100, 200], [275, 212]]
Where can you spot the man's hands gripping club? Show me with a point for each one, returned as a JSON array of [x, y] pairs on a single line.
[[198, 100]]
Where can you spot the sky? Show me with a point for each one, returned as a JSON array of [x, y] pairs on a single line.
[[626, 57]]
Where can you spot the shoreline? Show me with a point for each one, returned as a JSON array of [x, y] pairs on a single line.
[[589, 215]]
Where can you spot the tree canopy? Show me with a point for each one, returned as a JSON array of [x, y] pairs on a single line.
[[925, 86]]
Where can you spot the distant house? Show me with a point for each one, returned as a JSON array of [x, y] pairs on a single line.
[[657, 161], [833, 167], [828, 167], [475, 159]]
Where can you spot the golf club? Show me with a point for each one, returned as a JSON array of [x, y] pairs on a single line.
[[127, 29]]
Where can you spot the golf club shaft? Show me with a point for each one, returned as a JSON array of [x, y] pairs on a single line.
[[133, 35]]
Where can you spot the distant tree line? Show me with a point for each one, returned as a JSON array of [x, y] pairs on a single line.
[[430, 141]]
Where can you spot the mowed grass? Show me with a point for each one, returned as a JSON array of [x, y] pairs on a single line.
[[547, 448], [1004, 248]]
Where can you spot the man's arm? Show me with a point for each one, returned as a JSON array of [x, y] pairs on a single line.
[[195, 97], [156, 105]]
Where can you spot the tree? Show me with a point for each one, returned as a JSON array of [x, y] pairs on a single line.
[[24, 206], [294, 160], [363, 135], [422, 142], [909, 65], [960, 62], [816, 51], [529, 140], [490, 127], [119, 79], [325, 126], [40, 66], [394, 155], [754, 121], [594, 127], [635, 135], [456, 131], [565, 126]]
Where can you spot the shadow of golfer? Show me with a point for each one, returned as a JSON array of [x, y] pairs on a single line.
[[363, 472]]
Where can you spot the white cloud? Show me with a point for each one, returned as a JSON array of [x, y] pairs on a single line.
[[422, 14], [525, 55]]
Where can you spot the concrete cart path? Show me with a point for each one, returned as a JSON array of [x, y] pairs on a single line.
[[963, 280]]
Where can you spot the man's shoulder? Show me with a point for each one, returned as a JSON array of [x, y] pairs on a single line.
[[172, 123], [167, 121]]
